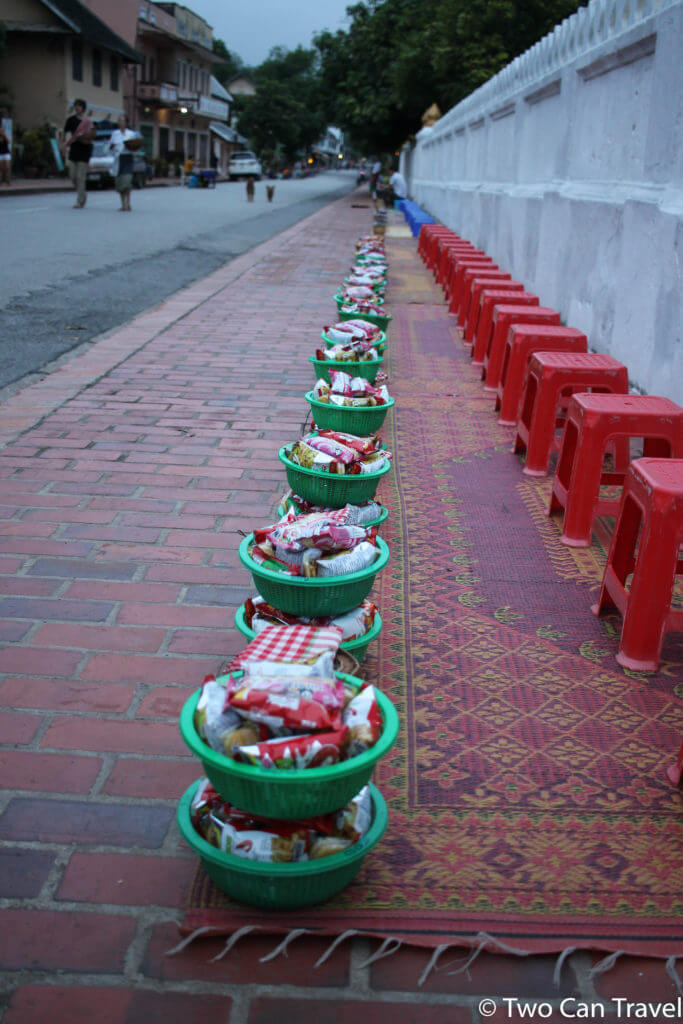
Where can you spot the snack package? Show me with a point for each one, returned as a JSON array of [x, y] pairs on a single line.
[[286, 845], [291, 702], [354, 820], [321, 390], [363, 555], [363, 718], [221, 728], [312, 751], [363, 445], [340, 383], [326, 846], [311, 458], [333, 449]]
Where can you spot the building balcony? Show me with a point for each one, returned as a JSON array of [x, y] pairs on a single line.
[[205, 106], [162, 93]]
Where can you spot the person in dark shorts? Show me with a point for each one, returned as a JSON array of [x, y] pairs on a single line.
[[79, 133], [123, 170]]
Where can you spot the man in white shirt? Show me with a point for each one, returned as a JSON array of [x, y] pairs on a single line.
[[398, 184]]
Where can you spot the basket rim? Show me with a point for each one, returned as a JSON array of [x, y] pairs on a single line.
[[291, 777], [371, 317], [229, 861], [372, 409], [333, 363], [287, 463], [348, 645], [306, 581]]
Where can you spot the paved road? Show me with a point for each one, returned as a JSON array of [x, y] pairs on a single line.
[[68, 275]]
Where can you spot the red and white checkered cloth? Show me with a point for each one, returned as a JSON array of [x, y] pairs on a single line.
[[289, 643]]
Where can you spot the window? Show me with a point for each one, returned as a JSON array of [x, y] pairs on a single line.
[[143, 11], [97, 67], [191, 144], [152, 16], [114, 73], [152, 69], [76, 61]]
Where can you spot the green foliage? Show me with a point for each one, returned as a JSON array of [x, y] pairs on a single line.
[[399, 56], [285, 115], [37, 150], [227, 65]]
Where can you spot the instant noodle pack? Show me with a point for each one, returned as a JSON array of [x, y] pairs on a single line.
[[288, 741]]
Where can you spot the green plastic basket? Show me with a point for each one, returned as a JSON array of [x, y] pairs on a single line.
[[379, 321], [282, 886], [313, 598], [381, 518], [295, 792], [330, 490], [366, 368], [380, 345], [358, 647], [361, 421]]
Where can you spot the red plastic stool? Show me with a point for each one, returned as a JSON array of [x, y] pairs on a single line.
[[445, 249], [488, 300], [458, 267], [504, 316], [426, 235], [433, 247], [675, 772], [450, 257], [521, 343], [452, 261], [651, 520], [551, 379], [593, 420], [473, 306]]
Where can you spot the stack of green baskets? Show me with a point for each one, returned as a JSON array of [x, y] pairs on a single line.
[[300, 793]]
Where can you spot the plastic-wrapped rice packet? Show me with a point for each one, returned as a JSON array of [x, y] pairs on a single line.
[[355, 819], [362, 556]]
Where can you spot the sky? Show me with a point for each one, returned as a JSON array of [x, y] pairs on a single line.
[[251, 27]]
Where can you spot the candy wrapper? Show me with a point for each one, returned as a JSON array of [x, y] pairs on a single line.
[[284, 846], [310, 458], [290, 702], [358, 352], [296, 752], [362, 716], [363, 445]]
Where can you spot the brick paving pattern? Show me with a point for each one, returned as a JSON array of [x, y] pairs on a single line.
[[126, 478]]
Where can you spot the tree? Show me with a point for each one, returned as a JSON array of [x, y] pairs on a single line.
[[285, 113], [400, 56], [228, 63]]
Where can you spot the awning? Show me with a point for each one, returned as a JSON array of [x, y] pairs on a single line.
[[226, 133]]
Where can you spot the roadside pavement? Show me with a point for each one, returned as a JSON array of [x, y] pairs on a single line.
[[38, 186], [126, 477]]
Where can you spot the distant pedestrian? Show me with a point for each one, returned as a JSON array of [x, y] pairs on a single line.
[[188, 167], [5, 159], [397, 188], [374, 177], [250, 190], [270, 192], [123, 169], [78, 137]]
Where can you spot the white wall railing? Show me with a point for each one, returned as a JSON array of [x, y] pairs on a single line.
[[567, 167]]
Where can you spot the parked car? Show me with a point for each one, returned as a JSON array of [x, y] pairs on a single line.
[[101, 165], [244, 165]]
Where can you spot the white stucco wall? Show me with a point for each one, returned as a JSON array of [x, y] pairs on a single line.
[[567, 168]]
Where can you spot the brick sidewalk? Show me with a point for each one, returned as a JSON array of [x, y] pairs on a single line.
[[126, 477]]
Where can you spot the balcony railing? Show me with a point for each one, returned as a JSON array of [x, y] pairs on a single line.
[[161, 92]]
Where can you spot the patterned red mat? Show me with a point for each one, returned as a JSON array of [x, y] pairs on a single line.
[[527, 793]]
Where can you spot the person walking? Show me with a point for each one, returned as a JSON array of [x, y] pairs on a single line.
[[123, 169], [77, 139], [5, 158]]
